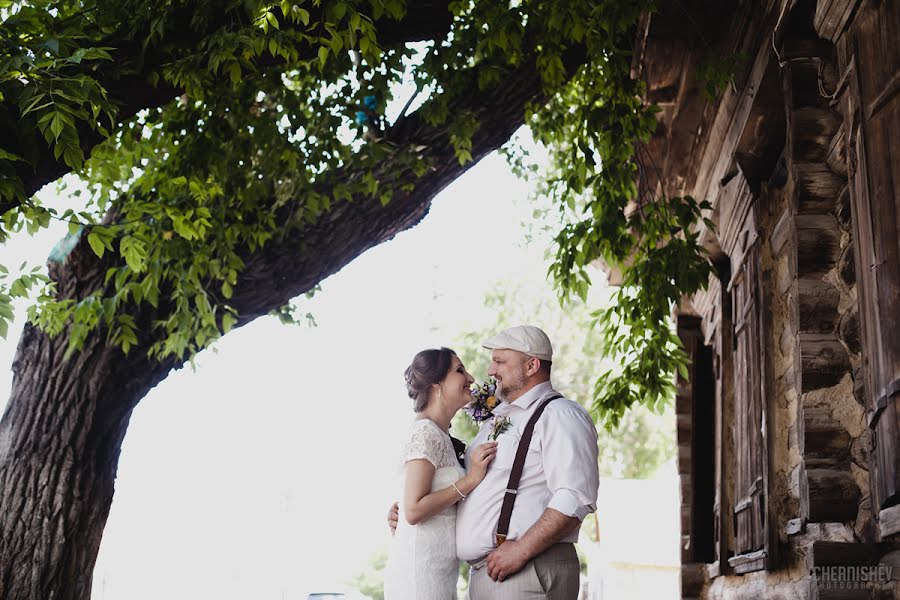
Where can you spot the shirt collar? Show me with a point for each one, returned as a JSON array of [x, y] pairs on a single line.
[[525, 401]]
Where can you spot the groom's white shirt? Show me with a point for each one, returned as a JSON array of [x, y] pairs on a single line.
[[561, 472]]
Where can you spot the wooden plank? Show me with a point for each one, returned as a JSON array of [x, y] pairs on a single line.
[[832, 16], [824, 361], [889, 520], [750, 509], [813, 129], [725, 448], [863, 227], [836, 155], [735, 217], [751, 561], [782, 232], [817, 188], [884, 179], [827, 554], [833, 495], [825, 441], [878, 54], [886, 475], [818, 305], [731, 118], [876, 196], [818, 249]]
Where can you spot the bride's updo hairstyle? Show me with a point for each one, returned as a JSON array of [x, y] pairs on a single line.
[[427, 368]]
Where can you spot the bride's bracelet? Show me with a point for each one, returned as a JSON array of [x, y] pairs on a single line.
[[461, 495]]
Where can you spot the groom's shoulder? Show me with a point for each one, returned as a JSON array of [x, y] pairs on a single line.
[[563, 407]]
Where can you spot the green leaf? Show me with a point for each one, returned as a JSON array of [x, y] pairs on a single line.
[[96, 244], [18, 288], [228, 322], [56, 125], [273, 21], [4, 155], [77, 56], [234, 72]]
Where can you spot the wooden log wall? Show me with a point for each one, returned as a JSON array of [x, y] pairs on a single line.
[[828, 329]]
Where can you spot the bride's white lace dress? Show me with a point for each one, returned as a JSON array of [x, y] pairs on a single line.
[[422, 564]]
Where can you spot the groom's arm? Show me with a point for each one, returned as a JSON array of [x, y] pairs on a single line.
[[512, 555]]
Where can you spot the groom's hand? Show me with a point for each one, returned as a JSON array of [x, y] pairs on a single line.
[[506, 560], [393, 517]]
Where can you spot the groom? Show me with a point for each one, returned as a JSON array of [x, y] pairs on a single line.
[[557, 489]]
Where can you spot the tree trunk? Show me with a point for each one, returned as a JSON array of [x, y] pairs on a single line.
[[60, 441], [61, 434]]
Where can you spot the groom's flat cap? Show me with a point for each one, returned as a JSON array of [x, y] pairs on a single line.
[[526, 339]]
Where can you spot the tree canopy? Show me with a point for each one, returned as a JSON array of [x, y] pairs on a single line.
[[231, 155], [236, 153]]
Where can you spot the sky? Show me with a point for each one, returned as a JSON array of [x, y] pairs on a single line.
[[269, 469]]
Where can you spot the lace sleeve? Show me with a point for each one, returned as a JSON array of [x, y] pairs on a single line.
[[426, 442]]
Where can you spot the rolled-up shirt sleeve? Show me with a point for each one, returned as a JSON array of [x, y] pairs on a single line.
[[569, 451]]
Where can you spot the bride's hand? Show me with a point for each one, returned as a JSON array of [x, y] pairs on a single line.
[[479, 460]]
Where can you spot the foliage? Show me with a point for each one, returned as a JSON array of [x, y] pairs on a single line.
[[261, 137], [371, 580], [596, 129], [642, 442], [716, 71]]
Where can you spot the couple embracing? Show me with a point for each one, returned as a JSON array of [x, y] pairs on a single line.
[[512, 505]]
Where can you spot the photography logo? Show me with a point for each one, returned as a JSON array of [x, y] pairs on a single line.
[[852, 577]]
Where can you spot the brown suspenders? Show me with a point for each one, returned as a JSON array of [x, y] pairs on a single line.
[[515, 475]]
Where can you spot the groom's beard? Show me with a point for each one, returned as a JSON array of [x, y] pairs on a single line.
[[510, 386]]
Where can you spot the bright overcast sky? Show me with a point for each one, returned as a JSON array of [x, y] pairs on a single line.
[[271, 467]]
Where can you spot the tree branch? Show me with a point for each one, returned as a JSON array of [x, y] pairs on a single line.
[[127, 82]]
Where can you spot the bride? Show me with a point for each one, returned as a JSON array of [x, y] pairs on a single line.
[[422, 564]]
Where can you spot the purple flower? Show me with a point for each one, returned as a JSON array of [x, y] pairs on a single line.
[[483, 402]]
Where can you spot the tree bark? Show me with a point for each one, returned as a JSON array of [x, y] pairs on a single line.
[[61, 434]]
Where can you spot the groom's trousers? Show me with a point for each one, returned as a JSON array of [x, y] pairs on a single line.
[[553, 575]]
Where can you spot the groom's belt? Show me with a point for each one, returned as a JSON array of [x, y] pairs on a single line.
[[478, 563]]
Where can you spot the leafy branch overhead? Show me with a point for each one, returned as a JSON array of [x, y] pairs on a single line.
[[212, 139]]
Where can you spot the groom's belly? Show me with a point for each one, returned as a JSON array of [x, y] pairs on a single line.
[[478, 514]]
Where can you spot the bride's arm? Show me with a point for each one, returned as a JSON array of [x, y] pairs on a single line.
[[420, 503]]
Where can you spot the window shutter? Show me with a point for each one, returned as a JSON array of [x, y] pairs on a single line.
[[750, 514], [873, 108]]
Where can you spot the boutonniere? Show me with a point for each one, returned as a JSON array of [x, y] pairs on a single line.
[[483, 403], [498, 426]]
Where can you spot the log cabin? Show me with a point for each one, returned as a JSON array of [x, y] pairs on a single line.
[[788, 443]]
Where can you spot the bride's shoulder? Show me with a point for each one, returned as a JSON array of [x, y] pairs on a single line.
[[424, 427], [424, 440]]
